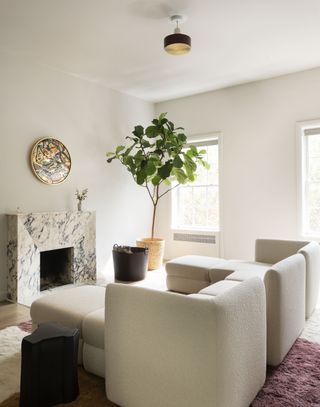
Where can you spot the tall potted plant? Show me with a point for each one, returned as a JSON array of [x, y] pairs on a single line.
[[159, 160]]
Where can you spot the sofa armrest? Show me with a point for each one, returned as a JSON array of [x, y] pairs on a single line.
[[285, 287], [311, 253], [272, 251], [166, 349]]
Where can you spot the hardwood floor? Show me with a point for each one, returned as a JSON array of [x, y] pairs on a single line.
[[13, 314]]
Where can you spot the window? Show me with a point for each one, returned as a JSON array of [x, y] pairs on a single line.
[[195, 206], [310, 180]]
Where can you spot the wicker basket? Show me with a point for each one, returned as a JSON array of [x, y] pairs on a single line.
[[156, 251]]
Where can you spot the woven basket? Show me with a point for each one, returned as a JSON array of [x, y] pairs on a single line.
[[156, 251]]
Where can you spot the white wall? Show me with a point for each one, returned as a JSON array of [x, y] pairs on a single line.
[[35, 102], [257, 122]]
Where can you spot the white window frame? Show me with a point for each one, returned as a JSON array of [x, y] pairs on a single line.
[[301, 127], [202, 138]]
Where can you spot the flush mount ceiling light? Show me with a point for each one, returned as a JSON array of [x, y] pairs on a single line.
[[177, 43]]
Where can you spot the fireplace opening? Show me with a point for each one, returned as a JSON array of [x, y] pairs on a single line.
[[55, 268]]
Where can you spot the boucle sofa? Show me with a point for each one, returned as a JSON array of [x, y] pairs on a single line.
[[164, 349], [291, 274], [190, 274], [169, 350]]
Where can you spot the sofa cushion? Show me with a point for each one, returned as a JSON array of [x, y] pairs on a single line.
[[93, 328], [185, 285], [193, 267], [225, 269], [68, 306], [245, 270], [219, 288]]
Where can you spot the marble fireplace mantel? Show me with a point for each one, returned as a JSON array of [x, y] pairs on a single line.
[[31, 233]]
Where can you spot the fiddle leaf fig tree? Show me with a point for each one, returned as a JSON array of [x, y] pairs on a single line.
[[159, 159]]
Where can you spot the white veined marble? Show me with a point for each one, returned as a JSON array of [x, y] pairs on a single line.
[[31, 233]]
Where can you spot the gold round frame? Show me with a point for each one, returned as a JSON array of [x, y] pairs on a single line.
[[50, 161]]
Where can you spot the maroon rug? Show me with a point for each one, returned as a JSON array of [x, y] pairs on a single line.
[[296, 382]]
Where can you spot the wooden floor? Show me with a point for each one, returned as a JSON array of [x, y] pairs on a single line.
[[13, 314]]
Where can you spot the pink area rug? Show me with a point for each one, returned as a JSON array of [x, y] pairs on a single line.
[[296, 382]]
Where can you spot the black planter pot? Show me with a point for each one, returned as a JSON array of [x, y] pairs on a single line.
[[130, 263]]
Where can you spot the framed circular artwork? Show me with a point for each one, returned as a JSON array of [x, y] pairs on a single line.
[[50, 161]]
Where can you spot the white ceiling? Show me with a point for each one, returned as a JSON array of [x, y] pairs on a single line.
[[119, 43]]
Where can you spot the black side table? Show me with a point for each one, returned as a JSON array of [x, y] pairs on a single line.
[[49, 366]]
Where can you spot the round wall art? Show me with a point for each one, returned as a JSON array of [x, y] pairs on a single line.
[[50, 161]]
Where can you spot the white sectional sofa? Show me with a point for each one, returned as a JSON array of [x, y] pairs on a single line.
[[164, 349]]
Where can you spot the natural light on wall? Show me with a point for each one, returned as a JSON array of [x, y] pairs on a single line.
[[195, 206]]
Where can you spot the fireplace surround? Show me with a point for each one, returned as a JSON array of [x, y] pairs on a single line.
[[31, 238]]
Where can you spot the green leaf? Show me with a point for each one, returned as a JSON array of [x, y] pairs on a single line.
[[150, 168], [170, 125], [152, 131], [165, 170], [156, 180], [202, 152], [119, 148], [145, 143], [110, 154], [180, 175], [189, 163], [141, 177], [182, 137], [191, 177], [177, 162], [193, 150], [162, 116], [138, 131]]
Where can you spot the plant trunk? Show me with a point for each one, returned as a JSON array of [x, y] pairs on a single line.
[[153, 219]]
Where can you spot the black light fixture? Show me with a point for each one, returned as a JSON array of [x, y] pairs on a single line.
[[177, 43]]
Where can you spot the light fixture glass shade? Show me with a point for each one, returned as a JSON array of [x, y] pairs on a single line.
[[177, 44]]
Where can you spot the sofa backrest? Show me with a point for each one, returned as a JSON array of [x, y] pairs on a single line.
[[272, 251]]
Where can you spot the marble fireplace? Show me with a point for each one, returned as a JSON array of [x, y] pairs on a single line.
[[46, 250]]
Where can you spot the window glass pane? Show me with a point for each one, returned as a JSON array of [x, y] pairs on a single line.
[[314, 169], [213, 159], [202, 173], [185, 205], [313, 195], [200, 206], [314, 219], [314, 145], [197, 203], [311, 209], [213, 206]]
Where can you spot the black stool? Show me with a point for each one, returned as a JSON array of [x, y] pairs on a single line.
[[49, 366]]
